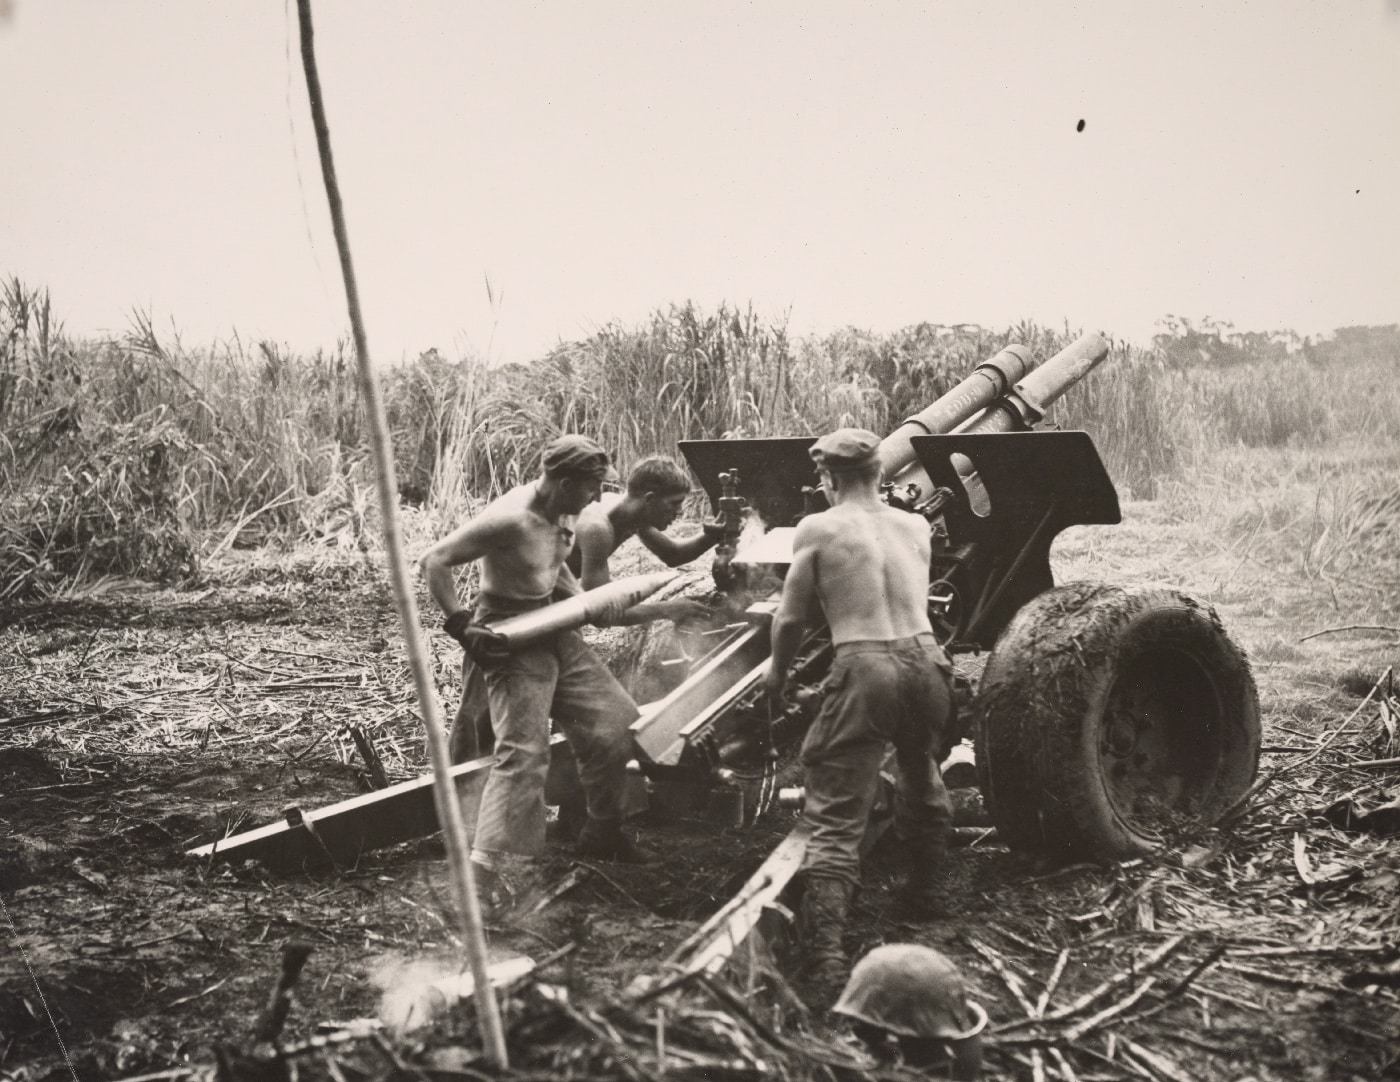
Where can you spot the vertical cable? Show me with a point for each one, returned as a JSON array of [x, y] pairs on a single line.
[[444, 791]]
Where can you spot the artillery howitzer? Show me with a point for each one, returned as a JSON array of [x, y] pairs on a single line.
[[1105, 719]]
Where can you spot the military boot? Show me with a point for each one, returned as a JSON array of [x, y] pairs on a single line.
[[821, 927], [493, 891], [925, 890], [603, 839]]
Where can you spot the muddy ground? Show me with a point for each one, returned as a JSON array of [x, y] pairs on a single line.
[[139, 722]]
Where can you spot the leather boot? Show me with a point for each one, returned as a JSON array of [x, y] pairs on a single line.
[[603, 839], [821, 926], [925, 885], [493, 892]]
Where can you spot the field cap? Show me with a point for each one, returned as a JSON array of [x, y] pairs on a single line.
[[846, 449], [577, 456]]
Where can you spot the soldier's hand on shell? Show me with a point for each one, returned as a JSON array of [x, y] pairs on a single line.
[[482, 644], [611, 613], [684, 609]]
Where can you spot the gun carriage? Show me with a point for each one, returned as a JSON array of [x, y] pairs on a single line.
[[1105, 718]]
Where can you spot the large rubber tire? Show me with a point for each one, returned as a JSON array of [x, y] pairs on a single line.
[[1111, 721]]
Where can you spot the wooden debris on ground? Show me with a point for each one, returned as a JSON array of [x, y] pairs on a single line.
[[1313, 913], [703, 1029], [1142, 970]]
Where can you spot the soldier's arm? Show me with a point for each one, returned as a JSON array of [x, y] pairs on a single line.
[[797, 609], [594, 540], [644, 613], [469, 542], [567, 584], [672, 551]]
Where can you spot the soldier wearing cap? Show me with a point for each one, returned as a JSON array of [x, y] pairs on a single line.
[[522, 540], [862, 567]]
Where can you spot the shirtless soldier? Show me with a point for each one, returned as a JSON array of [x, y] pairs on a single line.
[[656, 491], [522, 540], [863, 568]]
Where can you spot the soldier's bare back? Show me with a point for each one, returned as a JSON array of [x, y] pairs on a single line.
[[869, 568]]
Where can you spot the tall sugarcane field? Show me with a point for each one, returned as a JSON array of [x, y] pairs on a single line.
[[219, 856]]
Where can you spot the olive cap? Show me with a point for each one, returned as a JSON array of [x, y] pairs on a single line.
[[846, 449], [577, 456], [913, 991]]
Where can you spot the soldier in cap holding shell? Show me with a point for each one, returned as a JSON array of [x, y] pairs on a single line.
[[862, 567], [522, 540]]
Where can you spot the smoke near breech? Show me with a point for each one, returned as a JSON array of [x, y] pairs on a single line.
[[752, 531], [751, 580]]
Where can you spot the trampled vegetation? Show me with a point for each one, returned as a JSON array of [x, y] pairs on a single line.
[[1258, 473], [140, 456]]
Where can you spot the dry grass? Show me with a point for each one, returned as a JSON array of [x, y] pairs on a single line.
[[259, 445], [156, 720], [107, 506], [260, 668]]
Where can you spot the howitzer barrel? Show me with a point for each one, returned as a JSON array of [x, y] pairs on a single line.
[[988, 382], [1034, 394], [1021, 405], [580, 609]]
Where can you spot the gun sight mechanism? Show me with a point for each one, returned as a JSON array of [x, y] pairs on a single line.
[[731, 508]]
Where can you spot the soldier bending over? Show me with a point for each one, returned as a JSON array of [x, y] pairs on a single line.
[[522, 540], [656, 491], [863, 567]]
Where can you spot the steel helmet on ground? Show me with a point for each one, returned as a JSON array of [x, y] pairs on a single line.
[[913, 991]]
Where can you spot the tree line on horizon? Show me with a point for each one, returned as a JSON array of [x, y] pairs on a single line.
[[137, 456]]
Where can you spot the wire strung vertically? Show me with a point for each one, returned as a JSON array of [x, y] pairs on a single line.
[[444, 791]]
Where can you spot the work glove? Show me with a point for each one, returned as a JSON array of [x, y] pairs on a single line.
[[482, 644]]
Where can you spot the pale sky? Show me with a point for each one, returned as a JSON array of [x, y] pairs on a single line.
[[862, 164]]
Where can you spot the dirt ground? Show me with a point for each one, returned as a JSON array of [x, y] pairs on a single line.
[[137, 723]]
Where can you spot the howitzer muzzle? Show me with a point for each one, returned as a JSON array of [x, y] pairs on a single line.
[[1021, 404], [988, 382], [1032, 396]]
